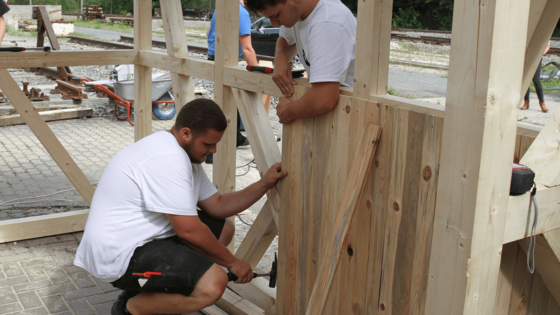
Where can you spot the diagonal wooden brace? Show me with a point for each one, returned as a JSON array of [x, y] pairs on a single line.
[[352, 191]]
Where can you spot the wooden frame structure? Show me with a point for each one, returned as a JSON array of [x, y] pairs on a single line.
[[405, 252]]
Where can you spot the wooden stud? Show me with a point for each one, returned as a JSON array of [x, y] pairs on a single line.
[[484, 90], [352, 193], [235, 305], [34, 59], [187, 66], [538, 302], [142, 74], [505, 281], [521, 285], [258, 293], [46, 136], [176, 43], [44, 225], [9, 120], [371, 74]]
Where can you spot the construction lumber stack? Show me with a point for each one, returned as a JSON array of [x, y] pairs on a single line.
[[93, 12]]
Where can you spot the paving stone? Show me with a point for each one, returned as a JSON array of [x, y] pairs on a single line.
[[12, 270], [102, 298], [32, 286], [58, 276], [72, 269], [29, 300], [104, 308], [5, 250], [54, 303], [105, 286], [56, 289], [20, 248], [9, 308], [35, 311], [7, 296], [20, 257], [13, 281], [40, 250], [81, 307], [72, 295], [82, 279], [37, 261]]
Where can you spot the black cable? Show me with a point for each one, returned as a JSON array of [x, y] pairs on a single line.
[[243, 220]]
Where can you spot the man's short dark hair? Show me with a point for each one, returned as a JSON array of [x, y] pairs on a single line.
[[199, 115], [260, 5]]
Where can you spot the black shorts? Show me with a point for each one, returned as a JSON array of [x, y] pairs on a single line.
[[180, 266]]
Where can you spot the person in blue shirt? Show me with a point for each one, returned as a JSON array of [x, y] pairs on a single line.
[[245, 49], [4, 9]]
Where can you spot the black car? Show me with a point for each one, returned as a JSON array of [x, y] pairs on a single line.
[[264, 36]]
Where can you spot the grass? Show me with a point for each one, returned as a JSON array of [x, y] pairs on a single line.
[[20, 33], [96, 24], [88, 36], [392, 91]]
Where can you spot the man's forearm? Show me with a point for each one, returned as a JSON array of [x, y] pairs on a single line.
[[283, 50], [314, 103], [232, 203], [250, 56]]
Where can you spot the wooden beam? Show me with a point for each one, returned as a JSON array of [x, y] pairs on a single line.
[[44, 225], [189, 66], [259, 237], [371, 74], [46, 136], [483, 93], [226, 54], [519, 220], [67, 58], [233, 304], [543, 156], [261, 138], [10, 110], [258, 293], [142, 74], [546, 264], [213, 310], [176, 43], [536, 43], [352, 192], [50, 115]]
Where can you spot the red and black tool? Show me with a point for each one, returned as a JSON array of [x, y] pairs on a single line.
[[16, 49], [271, 274], [295, 73]]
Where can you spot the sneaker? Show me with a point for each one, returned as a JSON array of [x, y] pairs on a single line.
[[242, 141], [119, 307]]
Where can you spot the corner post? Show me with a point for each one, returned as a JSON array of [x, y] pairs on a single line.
[[142, 74], [484, 91]]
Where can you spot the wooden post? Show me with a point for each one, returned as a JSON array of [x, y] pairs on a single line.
[[172, 14], [226, 54], [142, 74], [373, 40], [484, 90]]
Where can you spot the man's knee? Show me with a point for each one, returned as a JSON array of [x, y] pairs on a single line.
[[212, 284]]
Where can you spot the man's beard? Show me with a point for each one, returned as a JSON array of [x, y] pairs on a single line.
[[188, 149]]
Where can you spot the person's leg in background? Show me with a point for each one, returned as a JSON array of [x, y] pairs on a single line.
[[538, 88]]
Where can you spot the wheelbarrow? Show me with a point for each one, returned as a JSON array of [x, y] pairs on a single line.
[[163, 104]]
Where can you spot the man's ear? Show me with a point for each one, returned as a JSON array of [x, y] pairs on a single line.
[[186, 134]]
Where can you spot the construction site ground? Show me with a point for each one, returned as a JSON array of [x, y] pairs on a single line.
[[37, 276]]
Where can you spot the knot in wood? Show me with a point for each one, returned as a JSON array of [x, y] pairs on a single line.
[[347, 108], [395, 206], [368, 204], [427, 173], [382, 306], [356, 308], [376, 163], [350, 251]]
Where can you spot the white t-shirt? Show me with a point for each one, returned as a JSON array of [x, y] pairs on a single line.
[[326, 42], [142, 183]]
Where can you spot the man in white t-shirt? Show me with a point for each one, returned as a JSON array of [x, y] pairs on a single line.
[[323, 34], [144, 233]]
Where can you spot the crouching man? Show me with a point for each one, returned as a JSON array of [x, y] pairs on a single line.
[[144, 219]]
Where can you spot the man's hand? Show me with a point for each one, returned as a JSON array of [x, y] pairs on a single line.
[[272, 176], [283, 113], [282, 76], [242, 270]]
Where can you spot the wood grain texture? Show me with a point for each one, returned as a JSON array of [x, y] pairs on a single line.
[[176, 44], [189, 66], [233, 304], [49, 140], [35, 59], [505, 281], [258, 293], [479, 134], [142, 74], [521, 285], [45, 225], [538, 302], [50, 115], [355, 184], [544, 153]]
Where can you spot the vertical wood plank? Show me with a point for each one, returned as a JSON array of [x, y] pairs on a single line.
[[172, 15], [227, 41], [484, 90], [505, 281], [539, 296], [431, 149], [521, 286], [552, 308], [394, 206], [373, 40], [49, 140], [142, 74], [382, 163]]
